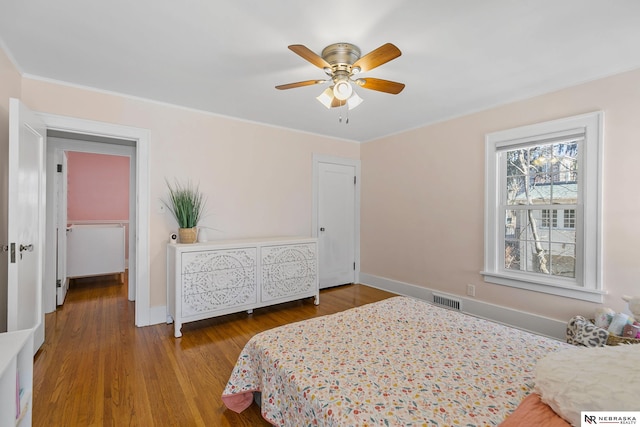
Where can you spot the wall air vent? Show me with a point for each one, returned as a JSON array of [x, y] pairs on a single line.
[[447, 301]]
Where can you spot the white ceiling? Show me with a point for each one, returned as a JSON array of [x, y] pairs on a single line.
[[225, 57]]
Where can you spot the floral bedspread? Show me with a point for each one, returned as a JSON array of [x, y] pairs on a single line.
[[397, 362]]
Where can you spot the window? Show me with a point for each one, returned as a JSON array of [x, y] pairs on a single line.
[[549, 218], [570, 218], [542, 190]]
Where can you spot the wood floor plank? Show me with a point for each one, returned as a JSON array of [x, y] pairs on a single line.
[[96, 368]]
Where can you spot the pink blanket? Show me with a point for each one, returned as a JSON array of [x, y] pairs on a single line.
[[533, 412]]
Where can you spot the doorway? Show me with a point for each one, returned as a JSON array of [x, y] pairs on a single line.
[[336, 219], [108, 136], [115, 161]]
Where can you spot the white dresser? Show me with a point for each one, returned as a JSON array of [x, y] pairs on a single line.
[[216, 278]]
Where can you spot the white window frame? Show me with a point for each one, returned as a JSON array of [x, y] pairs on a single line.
[[588, 284]]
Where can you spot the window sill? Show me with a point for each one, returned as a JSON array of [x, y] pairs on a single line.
[[590, 295]]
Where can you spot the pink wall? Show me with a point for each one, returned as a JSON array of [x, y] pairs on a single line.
[[98, 187]]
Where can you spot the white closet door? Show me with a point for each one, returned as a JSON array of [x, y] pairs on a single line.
[[336, 224]]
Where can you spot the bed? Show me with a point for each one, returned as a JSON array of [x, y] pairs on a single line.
[[397, 362]]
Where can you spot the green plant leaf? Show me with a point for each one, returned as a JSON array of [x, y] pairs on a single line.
[[186, 203]]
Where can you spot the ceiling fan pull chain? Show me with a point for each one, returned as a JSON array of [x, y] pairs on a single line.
[[346, 117]]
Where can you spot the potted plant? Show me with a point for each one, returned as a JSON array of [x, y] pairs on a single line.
[[186, 203]]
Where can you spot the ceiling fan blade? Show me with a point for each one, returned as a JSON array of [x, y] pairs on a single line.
[[377, 57], [300, 84], [309, 55], [381, 85]]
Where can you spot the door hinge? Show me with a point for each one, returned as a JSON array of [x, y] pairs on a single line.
[[354, 266], [58, 283], [59, 168], [354, 180]]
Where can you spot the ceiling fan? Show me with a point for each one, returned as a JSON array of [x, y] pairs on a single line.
[[342, 63]]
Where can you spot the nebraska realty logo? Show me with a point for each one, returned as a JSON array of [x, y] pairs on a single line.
[[629, 418]]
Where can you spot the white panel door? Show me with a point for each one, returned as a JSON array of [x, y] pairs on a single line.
[[336, 224], [26, 221], [60, 187]]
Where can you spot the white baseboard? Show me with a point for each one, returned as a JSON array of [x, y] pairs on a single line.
[[157, 315], [518, 319]]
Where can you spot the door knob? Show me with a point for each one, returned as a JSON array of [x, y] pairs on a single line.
[[321, 228], [28, 248]]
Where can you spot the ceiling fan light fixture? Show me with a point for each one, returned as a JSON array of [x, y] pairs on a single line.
[[326, 97], [354, 101], [342, 90], [343, 64]]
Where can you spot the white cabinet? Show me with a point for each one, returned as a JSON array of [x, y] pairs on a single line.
[[216, 278], [16, 378]]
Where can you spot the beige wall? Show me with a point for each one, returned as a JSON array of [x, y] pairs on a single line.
[[423, 198], [422, 190], [9, 88], [258, 179]]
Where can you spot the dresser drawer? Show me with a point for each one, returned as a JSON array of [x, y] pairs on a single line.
[[227, 259], [217, 300], [288, 253], [276, 287], [218, 280]]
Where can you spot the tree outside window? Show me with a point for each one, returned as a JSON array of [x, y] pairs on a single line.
[[538, 179]]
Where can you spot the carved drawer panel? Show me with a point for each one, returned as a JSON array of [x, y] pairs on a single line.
[[288, 270], [284, 253], [195, 262], [214, 280], [218, 280], [218, 299]]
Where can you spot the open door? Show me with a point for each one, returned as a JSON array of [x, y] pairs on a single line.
[[26, 221], [62, 282]]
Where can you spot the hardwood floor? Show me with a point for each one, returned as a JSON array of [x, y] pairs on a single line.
[[96, 368]]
